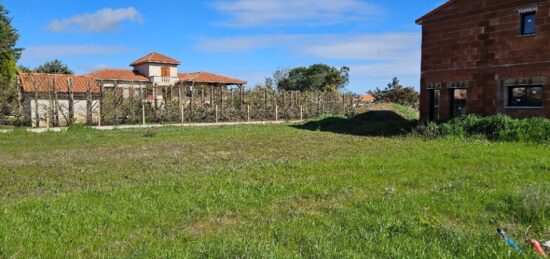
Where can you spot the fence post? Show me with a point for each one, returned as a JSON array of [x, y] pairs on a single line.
[[101, 90], [183, 114], [343, 103], [142, 113], [99, 111], [301, 112], [276, 112], [216, 115], [48, 118], [248, 112]]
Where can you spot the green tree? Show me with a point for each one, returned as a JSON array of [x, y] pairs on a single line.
[[53, 67], [8, 71], [8, 58], [396, 93], [318, 77]]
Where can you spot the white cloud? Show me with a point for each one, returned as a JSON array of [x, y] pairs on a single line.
[[248, 13], [367, 47], [385, 46], [104, 20], [38, 54], [53, 51]]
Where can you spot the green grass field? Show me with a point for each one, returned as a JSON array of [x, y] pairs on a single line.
[[266, 191]]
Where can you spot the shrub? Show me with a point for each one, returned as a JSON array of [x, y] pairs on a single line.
[[150, 133], [396, 93], [497, 128], [427, 131]]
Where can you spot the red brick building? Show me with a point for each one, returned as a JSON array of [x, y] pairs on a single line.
[[486, 57]]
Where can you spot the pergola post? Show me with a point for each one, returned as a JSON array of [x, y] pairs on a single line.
[[89, 101], [221, 95], [101, 89], [71, 100], [191, 100], [241, 96], [20, 98], [115, 103], [56, 103], [211, 95], [180, 95], [36, 108]]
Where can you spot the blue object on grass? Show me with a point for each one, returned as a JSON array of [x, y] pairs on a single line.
[[510, 241]]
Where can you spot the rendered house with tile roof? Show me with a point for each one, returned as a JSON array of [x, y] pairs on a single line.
[[158, 70], [365, 100], [161, 70], [152, 78]]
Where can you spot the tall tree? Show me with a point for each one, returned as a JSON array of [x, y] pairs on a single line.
[[53, 67], [8, 34], [8, 58], [319, 77]]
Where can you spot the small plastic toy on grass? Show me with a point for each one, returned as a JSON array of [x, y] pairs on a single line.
[[510, 241], [537, 247]]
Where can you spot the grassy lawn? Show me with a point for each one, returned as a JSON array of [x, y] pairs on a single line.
[[266, 191]]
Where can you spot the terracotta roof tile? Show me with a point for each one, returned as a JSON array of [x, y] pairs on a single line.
[[154, 57], [118, 74], [32, 82], [205, 77], [367, 98]]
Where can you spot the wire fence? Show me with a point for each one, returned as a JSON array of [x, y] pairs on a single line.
[[172, 105]]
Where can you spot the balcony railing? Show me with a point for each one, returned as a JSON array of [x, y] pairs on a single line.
[[164, 80]]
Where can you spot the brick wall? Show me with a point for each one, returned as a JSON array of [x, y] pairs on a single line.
[[479, 42]]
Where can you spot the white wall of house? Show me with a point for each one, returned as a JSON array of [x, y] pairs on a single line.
[[154, 72], [79, 111], [154, 69]]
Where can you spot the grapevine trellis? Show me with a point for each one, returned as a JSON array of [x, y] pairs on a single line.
[[172, 104]]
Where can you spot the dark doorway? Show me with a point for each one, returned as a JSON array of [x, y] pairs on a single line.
[[458, 102], [435, 96]]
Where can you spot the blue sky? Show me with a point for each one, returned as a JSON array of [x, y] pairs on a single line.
[[248, 39]]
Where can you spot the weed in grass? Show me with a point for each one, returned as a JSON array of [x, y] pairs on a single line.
[[536, 203], [150, 133]]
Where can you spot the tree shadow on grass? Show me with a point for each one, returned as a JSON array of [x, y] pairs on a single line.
[[371, 123]]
